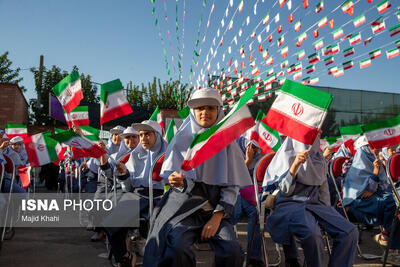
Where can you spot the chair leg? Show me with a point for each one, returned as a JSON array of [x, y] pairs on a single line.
[[395, 223]]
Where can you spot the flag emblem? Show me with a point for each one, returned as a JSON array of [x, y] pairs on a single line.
[[297, 109], [389, 132], [267, 137], [40, 147]]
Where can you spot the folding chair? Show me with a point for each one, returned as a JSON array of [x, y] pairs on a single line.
[[393, 173], [258, 177], [335, 170]]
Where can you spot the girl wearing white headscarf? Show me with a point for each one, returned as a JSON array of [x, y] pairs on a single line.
[[135, 174], [367, 196], [200, 202], [302, 205]]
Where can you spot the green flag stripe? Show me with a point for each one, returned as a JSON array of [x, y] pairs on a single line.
[[64, 136], [206, 134], [14, 125], [59, 87], [51, 147], [381, 124], [350, 130], [109, 88], [308, 94]]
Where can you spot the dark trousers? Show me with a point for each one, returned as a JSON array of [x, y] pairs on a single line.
[[224, 244]]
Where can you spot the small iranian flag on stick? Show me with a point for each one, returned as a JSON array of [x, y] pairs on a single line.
[[81, 146], [216, 138], [79, 116], [171, 130], [349, 135], [383, 6], [392, 53], [41, 149], [13, 130], [113, 103], [69, 91], [365, 63], [266, 137], [156, 116], [299, 111], [383, 133], [394, 30]]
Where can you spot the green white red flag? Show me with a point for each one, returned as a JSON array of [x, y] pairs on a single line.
[[383, 133], [41, 149], [69, 91], [156, 116], [266, 137], [298, 111], [394, 30], [81, 146], [79, 116], [13, 129], [383, 6], [216, 138], [333, 142], [349, 135], [113, 103], [392, 53], [171, 130]]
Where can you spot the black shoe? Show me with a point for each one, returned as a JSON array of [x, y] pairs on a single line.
[[292, 262], [256, 263], [126, 261]]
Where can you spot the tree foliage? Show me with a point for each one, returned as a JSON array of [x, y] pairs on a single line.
[[45, 80], [7, 73]]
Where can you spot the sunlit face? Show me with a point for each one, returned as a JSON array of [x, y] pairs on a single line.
[[16, 147], [391, 150], [147, 139], [206, 116], [116, 139], [131, 141]]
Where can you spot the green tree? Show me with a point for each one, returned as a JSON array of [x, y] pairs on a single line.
[[45, 80], [7, 73]]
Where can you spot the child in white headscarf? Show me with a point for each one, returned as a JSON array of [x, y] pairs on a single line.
[[200, 202]]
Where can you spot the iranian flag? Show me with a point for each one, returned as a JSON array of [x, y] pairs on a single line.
[[348, 51], [284, 63], [301, 54], [310, 68], [383, 133], [322, 22], [113, 103], [329, 60], [270, 71], [297, 75], [266, 19], [348, 64], [365, 63], [318, 44], [378, 25], [41, 149], [216, 138], [332, 70], [355, 38], [333, 142], [302, 37], [13, 129], [337, 33], [255, 71], [349, 135], [262, 97], [91, 133], [347, 5], [240, 7], [314, 80], [270, 79], [298, 111], [375, 54], [171, 130], [81, 146], [338, 73], [79, 116], [265, 54], [306, 80], [359, 20], [313, 58], [319, 6], [69, 91], [297, 26], [284, 51], [266, 137], [269, 61], [383, 6], [394, 30], [281, 2], [335, 49], [280, 40], [392, 53]]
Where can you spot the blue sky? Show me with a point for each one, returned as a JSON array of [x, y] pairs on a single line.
[[118, 39]]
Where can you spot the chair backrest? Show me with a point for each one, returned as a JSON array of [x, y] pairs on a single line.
[[393, 167], [262, 165], [157, 168], [9, 166], [336, 166]]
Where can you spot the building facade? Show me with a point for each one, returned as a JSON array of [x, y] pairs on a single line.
[[13, 105]]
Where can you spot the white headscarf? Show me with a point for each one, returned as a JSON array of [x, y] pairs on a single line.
[[312, 172]]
